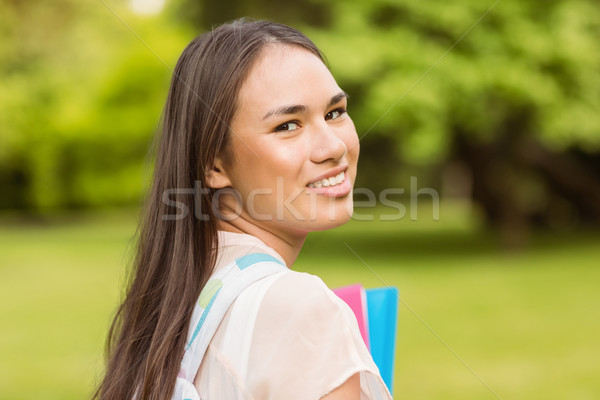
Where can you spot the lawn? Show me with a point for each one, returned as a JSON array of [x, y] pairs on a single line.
[[475, 321]]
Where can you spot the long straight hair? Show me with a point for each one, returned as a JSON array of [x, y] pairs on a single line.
[[175, 253]]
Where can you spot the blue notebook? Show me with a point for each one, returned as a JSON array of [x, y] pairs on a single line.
[[382, 307]]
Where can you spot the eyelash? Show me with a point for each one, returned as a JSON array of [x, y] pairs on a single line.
[[281, 128]]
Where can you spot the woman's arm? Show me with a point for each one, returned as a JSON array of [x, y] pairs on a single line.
[[349, 390]]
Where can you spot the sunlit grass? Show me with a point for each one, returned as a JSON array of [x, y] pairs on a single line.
[[526, 323]]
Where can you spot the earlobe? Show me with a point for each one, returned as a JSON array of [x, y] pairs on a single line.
[[216, 177]]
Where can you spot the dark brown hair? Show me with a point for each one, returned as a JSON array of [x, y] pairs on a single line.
[[175, 257]]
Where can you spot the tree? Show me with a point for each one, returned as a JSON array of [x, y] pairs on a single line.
[[508, 91], [499, 100], [81, 100]]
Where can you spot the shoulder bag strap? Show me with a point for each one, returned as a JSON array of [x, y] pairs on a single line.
[[215, 299]]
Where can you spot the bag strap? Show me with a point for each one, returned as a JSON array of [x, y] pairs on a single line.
[[216, 297]]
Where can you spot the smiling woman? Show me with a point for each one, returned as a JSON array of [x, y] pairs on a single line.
[[255, 120], [291, 133]]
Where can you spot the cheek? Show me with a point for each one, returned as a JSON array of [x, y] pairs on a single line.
[[353, 146], [352, 143], [268, 162], [282, 157]]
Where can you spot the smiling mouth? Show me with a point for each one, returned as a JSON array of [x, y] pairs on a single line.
[[331, 181]]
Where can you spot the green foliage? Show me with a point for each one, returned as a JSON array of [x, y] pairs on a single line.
[[430, 83], [509, 92], [80, 106], [517, 62]]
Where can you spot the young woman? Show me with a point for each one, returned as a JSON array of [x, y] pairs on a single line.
[[257, 150]]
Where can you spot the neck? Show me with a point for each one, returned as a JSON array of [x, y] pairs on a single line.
[[287, 246]]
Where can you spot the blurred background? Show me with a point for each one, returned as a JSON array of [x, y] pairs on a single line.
[[493, 106]]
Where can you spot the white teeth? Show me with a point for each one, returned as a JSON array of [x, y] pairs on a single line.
[[334, 180]]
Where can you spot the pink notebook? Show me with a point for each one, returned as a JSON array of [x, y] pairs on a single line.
[[356, 298]]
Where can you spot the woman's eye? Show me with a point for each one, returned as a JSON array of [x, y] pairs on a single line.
[[287, 127], [334, 114]]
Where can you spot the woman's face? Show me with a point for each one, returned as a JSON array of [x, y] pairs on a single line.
[[293, 148]]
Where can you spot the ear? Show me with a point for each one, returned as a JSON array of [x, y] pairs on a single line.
[[216, 177]]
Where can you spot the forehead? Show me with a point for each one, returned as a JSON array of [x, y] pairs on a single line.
[[286, 74]]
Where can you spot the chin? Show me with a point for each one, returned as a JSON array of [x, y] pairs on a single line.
[[334, 218]]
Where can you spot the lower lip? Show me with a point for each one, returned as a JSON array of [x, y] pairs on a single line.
[[339, 190]]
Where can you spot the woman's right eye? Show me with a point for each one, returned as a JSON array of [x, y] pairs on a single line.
[[287, 127]]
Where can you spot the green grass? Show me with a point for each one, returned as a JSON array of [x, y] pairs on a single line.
[[526, 323]]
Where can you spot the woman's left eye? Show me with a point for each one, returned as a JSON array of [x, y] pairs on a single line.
[[334, 114], [287, 127]]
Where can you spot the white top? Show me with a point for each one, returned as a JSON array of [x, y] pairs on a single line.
[[287, 336]]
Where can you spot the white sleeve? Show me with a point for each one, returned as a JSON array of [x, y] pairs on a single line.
[[306, 342]]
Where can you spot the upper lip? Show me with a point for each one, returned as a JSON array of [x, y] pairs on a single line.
[[331, 173]]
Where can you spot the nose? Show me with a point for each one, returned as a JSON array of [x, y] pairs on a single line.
[[326, 145]]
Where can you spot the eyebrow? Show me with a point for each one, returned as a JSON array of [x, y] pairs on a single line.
[[299, 108]]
